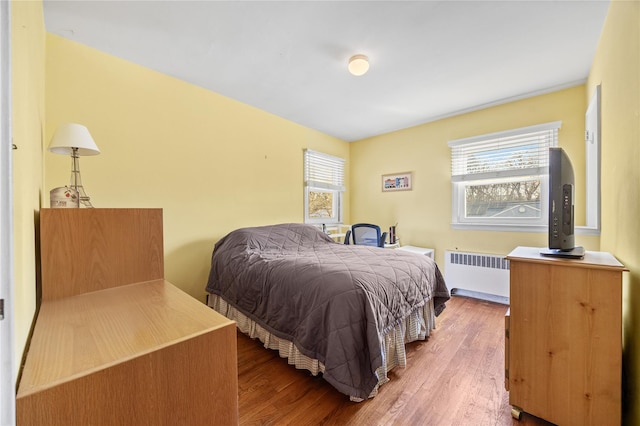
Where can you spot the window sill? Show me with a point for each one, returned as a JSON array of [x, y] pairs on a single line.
[[579, 230]]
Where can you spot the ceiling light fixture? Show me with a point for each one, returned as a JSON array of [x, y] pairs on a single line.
[[358, 65]]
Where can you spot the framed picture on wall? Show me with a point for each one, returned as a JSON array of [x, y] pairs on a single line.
[[397, 182]]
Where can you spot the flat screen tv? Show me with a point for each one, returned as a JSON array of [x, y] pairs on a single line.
[[561, 206]]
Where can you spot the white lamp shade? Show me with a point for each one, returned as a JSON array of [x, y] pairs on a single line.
[[71, 135], [358, 65]]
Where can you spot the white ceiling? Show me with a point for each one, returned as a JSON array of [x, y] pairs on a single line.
[[429, 59]]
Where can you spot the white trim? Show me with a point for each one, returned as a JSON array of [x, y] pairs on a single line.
[[485, 160], [8, 372], [592, 158], [337, 208], [323, 173], [501, 174], [500, 228], [578, 230], [323, 170], [507, 133], [586, 230]]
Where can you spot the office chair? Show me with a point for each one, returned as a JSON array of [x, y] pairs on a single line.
[[366, 234]]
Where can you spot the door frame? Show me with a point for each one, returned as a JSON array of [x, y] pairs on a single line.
[[8, 372]]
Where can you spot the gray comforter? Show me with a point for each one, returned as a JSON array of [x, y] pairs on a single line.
[[333, 301]]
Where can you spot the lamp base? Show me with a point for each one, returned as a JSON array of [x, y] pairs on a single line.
[[76, 180], [85, 200], [64, 197]]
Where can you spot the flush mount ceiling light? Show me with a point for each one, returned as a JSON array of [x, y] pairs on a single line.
[[358, 65]]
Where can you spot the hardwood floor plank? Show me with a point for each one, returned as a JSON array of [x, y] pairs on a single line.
[[455, 377]]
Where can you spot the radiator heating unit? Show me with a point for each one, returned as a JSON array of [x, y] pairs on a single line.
[[483, 276]]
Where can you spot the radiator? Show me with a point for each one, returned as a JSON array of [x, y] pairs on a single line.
[[485, 276]]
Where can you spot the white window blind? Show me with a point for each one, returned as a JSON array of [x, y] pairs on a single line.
[[512, 153], [323, 171]]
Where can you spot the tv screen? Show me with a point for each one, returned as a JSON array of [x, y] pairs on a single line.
[[561, 207]]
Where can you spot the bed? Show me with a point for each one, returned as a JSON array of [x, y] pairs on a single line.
[[343, 311]]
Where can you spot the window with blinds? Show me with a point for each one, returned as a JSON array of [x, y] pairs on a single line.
[[501, 178], [323, 186]]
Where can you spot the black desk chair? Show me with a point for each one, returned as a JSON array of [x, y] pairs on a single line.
[[365, 234]]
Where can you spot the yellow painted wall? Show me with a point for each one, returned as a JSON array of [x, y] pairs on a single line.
[[616, 68], [424, 214], [213, 164], [28, 91]]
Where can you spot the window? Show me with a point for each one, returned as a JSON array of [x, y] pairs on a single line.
[[323, 187], [500, 180]]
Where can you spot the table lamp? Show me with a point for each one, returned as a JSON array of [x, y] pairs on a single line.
[[75, 140]]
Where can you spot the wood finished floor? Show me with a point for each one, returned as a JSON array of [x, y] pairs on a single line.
[[456, 377]]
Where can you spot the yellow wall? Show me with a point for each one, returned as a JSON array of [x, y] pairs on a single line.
[[424, 214], [213, 164], [617, 68], [28, 76]]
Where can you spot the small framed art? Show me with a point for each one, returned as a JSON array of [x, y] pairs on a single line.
[[397, 182]]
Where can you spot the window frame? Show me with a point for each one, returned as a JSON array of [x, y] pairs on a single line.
[[592, 165], [460, 180], [330, 179]]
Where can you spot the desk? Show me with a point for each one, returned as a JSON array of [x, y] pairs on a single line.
[[337, 232], [395, 245], [418, 250], [338, 236]]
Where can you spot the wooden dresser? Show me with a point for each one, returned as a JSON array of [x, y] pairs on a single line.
[[564, 337], [114, 343]]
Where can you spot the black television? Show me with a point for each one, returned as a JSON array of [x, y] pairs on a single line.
[[561, 207]]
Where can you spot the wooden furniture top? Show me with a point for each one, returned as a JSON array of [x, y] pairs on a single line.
[[592, 259], [85, 250], [88, 332]]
